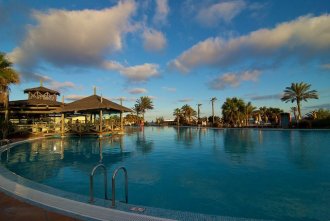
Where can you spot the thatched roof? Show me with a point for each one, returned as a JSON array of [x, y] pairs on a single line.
[[41, 89], [34, 102], [93, 103]]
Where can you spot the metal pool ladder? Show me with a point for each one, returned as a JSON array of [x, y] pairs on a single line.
[[91, 182], [91, 186], [114, 185]]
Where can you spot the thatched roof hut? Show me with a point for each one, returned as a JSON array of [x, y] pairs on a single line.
[[93, 104], [41, 89]]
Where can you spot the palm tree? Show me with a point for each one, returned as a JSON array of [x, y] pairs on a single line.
[[299, 92], [7, 76], [136, 109], [312, 115], [273, 114], [320, 114], [233, 111], [263, 114], [213, 99], [188, 112], [294, 111], [199, 111], [177, 114], [143, 104], [249, 109]]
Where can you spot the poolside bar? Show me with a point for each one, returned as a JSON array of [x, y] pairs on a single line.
[[42, 114]]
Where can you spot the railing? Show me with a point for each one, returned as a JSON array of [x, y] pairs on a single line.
[[91, 186], [114, 185]]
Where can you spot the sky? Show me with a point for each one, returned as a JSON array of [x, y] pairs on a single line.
[[175, 52]]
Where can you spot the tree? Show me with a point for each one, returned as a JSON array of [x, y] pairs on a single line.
[[233, 111], [159, 120], [136, 109], [248, 112], [273, 114], [213, 99], [294, 111], [143, 104], [298, 92], [199, 111], [318, 114], [7, 76], [131, 119], [177, 113], [188, 112]]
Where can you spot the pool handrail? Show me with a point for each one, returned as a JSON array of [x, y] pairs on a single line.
[[91, 183], [114, 185]]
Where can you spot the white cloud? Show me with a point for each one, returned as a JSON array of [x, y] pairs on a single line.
[[81, 37], [53, 84], [74, 97], [305, 37], [267, 97], [61, 86], [162, 10], [153, 40], [32, 76], [220, 12], [128, 99], [137, 73], [152, 97], [138, 91], [185, 100], [326, 66], [169, 89], [250, 75], [233, 79]]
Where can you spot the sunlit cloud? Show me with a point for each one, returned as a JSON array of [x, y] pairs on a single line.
[[74, 97], [305, 37], [153, 40], [122, 99], [162, 10], [320, 106], [138, 91], [185, 100], [220, 12], [233, 79], [81, 37], [169, 89], [62, 86], [137, 73], [266, 97], [325, 66]]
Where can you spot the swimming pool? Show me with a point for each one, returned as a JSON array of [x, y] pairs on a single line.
[[267, 174]]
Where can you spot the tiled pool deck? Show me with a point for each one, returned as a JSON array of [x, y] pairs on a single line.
[[15, 210]]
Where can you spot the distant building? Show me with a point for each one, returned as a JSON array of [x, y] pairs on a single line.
[[285, 120]]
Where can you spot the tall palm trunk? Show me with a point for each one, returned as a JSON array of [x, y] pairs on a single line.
[[212, 112], [6, 120], [299, 111], [295, 114]]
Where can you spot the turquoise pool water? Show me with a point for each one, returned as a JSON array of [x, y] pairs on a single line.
[[281, 175]]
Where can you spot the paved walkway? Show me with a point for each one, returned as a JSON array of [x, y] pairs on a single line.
[[16, 210]]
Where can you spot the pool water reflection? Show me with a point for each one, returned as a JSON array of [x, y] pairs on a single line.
[[282, 174]]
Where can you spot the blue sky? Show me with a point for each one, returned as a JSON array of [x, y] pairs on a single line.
[[176, 52]]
